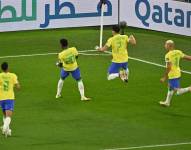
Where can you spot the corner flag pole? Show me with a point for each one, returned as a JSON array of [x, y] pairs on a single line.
[[102, 2]]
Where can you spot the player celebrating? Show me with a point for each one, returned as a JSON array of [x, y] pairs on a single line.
[[119, 44], [67, 61], [7, 83], [173, 72]]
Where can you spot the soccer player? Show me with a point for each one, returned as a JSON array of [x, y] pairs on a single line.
[[173, 72], [7, 83], [67, 61], [119, 44]]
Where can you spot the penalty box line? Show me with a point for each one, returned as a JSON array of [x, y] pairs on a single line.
[[151, 146], [85, 52]]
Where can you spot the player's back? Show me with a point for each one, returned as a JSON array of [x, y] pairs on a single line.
[[7, 82], [68, 58], [174, 58], [119, 45]]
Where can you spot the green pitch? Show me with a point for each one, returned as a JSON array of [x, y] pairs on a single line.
[[119, 115]]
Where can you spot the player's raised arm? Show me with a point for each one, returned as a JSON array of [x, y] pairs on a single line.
[[168, 69], [187, 57], [132, 40], [106, 46]]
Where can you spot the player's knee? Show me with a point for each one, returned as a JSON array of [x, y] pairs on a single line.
[[190, 89], [62, 78], [8, 113], [109, 78], [79, 79], [178, 92]]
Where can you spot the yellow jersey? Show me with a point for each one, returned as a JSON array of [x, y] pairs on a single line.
[[119, 45], [68, 58], [174, 57], [7, 82]]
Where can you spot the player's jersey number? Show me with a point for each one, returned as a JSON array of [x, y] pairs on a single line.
[[177, 60], [6, 86], [118, 44], [70, 59]]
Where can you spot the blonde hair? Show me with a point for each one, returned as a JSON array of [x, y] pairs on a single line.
[[170, 43]]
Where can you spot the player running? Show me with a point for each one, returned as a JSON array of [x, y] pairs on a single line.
[[67, 61], [173, 72], [119, 44], [7, 83]]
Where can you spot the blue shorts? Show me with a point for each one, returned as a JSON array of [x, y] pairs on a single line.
[[7, 105], [75, 74], [174, 83], [115, 67]]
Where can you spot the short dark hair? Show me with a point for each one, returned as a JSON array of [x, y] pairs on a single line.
[[116, 28], [64, 42], [4, 66]]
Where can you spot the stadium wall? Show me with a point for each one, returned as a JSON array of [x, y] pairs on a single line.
[[18, 15], [161, 15]]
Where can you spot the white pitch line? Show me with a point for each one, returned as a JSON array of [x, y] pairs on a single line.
[[43, 54], [84, 52], [152, 63], [155, 64], [92, 50], [28, 55], [151, 146]]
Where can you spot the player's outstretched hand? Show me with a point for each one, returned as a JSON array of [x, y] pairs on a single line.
[[132, 40], [97, 48], [59, 64]]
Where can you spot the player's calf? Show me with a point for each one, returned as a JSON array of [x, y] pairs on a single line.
[[59, 88], [81, 90], [167, 102], [5, 130]]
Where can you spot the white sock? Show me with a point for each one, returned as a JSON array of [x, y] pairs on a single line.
[[127, 71], [6, 124], [81, 88], [113, 76], [169, 97], [183, 91], [60, 85]]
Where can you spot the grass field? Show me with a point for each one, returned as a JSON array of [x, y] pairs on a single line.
[[119, 115]]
